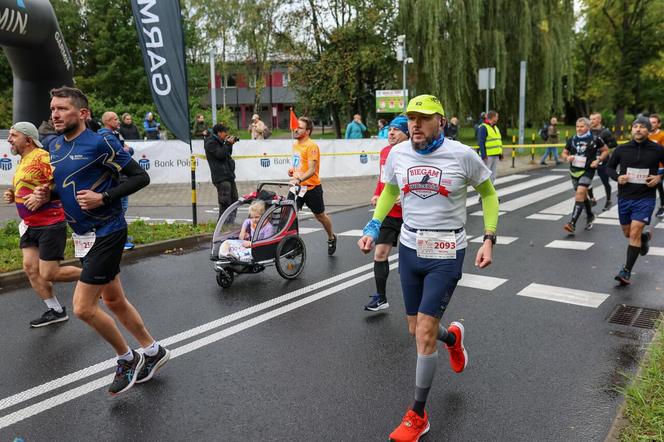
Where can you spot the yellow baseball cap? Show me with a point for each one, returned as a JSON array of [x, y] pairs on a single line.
[[425, 104]]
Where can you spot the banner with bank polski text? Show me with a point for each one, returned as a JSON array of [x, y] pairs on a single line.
[[159, 27]]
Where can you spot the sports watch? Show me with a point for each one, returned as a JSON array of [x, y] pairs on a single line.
[[490, 237]]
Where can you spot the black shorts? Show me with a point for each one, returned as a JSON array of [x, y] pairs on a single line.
[[50, 240], [102, 263], [313, 198], [584, 180], [389, 231]]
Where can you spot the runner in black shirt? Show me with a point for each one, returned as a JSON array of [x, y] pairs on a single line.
[[607, 137], [635, 166]]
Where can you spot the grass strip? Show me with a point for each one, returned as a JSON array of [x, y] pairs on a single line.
[[644, 396], [141, 232]]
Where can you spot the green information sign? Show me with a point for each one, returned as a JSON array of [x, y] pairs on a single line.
[[390, 102]]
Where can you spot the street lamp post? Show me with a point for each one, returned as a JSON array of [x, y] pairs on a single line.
[[401, 56], [213, 88]]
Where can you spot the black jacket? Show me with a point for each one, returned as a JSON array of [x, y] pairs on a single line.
[[606, 136], [219, 155], [644, 155], [129, 131]]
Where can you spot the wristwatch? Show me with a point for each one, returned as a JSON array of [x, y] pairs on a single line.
[[492, 238], [106, 198]]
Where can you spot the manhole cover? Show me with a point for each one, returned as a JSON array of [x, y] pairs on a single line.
[[635, 316]]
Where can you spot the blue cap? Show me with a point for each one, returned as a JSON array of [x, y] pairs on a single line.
[[401, 123]]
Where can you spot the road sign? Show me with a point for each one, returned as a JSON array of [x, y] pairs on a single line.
[[486, 79], [390, 101]]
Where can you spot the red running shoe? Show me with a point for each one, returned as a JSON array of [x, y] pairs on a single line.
[[458, 355], [412, 427]]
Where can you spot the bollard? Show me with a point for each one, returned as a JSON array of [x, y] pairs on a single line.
[[513, 156], [566, 134]]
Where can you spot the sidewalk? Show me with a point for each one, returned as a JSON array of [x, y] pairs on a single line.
[[339, 192]]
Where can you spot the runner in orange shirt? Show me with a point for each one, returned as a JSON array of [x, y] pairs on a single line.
[[657, 135], [305, 170]]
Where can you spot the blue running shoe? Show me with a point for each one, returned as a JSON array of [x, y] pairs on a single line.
[[623, 276], [378, 302]]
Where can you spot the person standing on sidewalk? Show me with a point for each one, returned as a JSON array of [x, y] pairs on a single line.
[[635, 165], [490, 142], [85, 168], [657, 135], [219, 154], [431, 175], [551, 137], [388, 236], [355, 129], [305, 174], [583, 152], [609, 140], [43, 228]]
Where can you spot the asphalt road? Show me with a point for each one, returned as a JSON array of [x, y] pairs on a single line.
[[276, 360]]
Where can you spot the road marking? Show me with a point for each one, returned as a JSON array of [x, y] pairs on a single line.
[[563, 294], [471, 201], [351, 233], [305, 230], [503, 180], [67, 396], [187, 334], [480, 213], [536, 197], [545, 217], [559, 170], [480, 282], [656, 251], [571, 245], [502, 240], [611, 213], [660, 225], [607, 221], [131, 219]]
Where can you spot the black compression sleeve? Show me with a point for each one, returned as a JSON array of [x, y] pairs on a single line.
[[137, 179]]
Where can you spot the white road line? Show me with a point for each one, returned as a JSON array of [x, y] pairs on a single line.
[[565, 207], [559, 170], [480, 282], [503, 180], [187, 334], [660, 225], [502, 240], [545, 217], [562, 294], [611, 213], [536, 197], [656, 251], [607, 221], [67, 396], [571, 245], [471, 201], [351, 233], [305, 230], [480, 213]]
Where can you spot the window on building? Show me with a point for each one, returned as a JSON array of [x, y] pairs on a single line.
[[286, 78], [231, 80]]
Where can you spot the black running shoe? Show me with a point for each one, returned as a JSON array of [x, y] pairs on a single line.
[[623, 276], [645, 247], [593, 202], [152, 364], [607, 205], [570, 228], [378, 302], [50, 317], [589, 222], [125, 374], [332, 245], [660, 212]]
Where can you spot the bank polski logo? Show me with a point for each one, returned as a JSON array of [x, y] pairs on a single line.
[[144, 162], [5, 163], [364, 159], [296, 161], [265, 162]]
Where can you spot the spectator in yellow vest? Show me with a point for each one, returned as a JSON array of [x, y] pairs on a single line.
[[490, 142]]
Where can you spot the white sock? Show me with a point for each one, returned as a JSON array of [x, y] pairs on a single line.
[[129, 356], [152, 349], [54, 304]]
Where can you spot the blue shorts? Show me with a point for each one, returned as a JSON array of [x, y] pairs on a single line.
[[428, 284], [635, 210]]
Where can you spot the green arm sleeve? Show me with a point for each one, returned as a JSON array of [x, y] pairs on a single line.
[[386, 201], [489, 205]]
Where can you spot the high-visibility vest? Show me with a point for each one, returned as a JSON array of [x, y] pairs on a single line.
[[494, 142]]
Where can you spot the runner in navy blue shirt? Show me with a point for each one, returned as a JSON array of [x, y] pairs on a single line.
[[86, 169]]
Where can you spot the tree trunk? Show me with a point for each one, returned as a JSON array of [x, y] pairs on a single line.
[[337, 123], [620, 120]]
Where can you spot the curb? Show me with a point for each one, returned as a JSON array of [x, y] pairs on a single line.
[[17, 278]]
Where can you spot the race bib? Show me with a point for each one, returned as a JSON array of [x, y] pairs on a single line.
[[22, 228], [637, 176], [83, 243], [579, 161], [436, 245]]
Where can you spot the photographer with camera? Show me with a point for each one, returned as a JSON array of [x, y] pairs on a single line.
[[219, 151]]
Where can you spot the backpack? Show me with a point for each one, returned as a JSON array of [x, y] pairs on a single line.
[[267, 133], [544, 132]]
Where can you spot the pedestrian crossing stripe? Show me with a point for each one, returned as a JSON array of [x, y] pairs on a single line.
[[570, 245], [564, 295], [480, 282], [656, 251], [607, 221], [351, 233], [501, 240], [535, 197], [305, 230], [471, 201], [480, 213], [544, 216]]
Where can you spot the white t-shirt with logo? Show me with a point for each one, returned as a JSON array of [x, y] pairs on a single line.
[[434, 186]]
